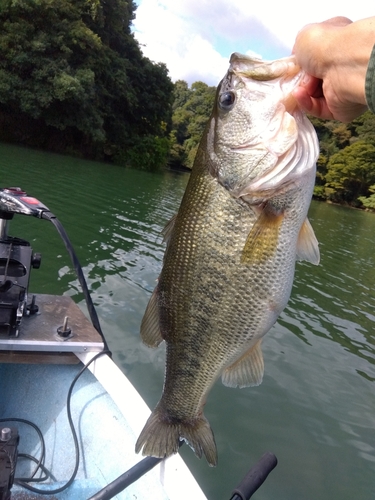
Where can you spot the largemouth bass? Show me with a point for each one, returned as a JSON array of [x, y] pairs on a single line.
[[231, 250]]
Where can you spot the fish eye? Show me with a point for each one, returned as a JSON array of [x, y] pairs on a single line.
[[227, 100]]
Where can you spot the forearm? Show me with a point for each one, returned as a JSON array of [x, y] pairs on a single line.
[[352, 55]]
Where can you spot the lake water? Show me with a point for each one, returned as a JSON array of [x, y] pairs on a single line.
[[316, 406]]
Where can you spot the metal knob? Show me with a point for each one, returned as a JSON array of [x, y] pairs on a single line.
[[6, 434]]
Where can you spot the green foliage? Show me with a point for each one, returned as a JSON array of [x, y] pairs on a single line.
[[145, 153], [368, 202], [39, 41], [191, 111], [364, 127], [351, 172], [74, 67], [319, 192], [346, 165]]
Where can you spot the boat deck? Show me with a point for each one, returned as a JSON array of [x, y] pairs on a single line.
[[105, 437], [36, 371], [38, 340]]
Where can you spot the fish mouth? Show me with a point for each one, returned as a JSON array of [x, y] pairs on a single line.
[[262, 70], [247, 147]]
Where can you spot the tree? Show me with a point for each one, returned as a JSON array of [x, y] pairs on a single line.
[[338, 177], [181, 94], [191, 111], [369, 202], [364, 127], [73, 69], [351, 172]]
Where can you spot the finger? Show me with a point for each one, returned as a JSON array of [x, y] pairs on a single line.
[[320, 109], [316, 106], [312, 85], [338, 21]]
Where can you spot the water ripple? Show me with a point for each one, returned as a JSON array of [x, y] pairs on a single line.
[[316, 406]]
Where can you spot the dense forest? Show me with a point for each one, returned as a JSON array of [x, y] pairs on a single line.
[[73, 79], [346, 165]]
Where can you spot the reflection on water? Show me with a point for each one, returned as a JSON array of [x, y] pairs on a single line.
[[316, 407]]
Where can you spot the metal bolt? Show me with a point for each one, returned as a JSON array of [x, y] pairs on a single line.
[[6, 434], [64, 331]]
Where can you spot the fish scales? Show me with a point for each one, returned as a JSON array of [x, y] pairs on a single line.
[[229, 264]]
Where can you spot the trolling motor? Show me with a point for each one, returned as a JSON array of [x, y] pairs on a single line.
[[16, 260]]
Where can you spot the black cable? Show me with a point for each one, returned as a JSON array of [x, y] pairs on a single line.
[[32, 478], [81, 278], [38, 431], [23, 482]]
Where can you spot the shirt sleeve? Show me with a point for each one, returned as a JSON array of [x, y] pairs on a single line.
[[370, 82]]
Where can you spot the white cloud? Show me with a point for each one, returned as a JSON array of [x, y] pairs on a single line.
[[168, 37], [195, 37]]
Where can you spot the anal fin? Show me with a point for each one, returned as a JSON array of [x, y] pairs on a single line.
[[150, 328], [246, 371], [307, 244]]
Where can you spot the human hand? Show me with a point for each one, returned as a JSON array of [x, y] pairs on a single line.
[[334, 55]]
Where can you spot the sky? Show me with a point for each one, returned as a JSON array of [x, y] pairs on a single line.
[[195, 38]]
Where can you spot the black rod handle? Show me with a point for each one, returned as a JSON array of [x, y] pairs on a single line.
[[255, 477]]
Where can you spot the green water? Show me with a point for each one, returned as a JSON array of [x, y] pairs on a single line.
[[316, 406]]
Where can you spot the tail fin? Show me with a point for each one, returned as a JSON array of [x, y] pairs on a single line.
[[160, 437]]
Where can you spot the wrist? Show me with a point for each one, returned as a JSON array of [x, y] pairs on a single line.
[[370, 82], [345, 53]]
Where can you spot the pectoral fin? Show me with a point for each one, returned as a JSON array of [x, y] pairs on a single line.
[[307, 244], [262, 241], [150, 329], [247, 371]]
